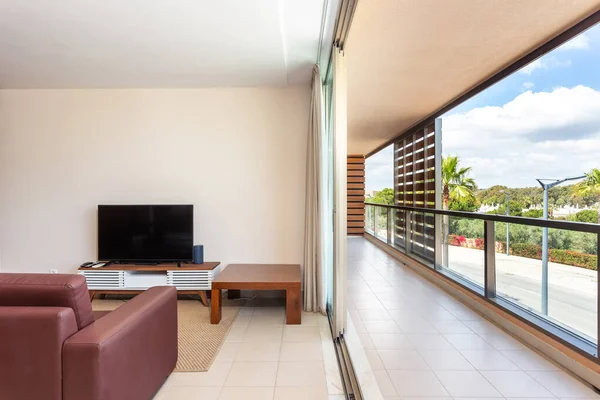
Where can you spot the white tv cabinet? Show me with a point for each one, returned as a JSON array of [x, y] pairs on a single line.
[[132, 279]]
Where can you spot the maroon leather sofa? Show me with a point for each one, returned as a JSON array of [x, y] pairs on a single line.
[[54, 347]]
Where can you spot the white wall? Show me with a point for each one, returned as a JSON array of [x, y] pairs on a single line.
[[238, 155]]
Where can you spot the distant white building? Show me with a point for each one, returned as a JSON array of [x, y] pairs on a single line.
[[371, 193]]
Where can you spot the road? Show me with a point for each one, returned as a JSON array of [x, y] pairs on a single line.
[[572, 291]]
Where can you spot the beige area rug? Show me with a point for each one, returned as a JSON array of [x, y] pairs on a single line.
[[199, 341]]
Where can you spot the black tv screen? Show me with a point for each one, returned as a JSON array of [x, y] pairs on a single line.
[[145, 233]]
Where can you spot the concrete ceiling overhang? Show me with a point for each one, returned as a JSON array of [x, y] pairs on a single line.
[[406, 59]]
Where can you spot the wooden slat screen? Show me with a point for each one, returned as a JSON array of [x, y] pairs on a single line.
[[356, 194], [414, 186]]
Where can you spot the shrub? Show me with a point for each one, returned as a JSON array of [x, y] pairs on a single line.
[[590, 216], [534, 213], [567, 257], [479, 243], [456, 240], [526, 250], [570, 257]]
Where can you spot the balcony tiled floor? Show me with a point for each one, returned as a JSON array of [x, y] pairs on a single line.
[[422, 343], [264, 359]]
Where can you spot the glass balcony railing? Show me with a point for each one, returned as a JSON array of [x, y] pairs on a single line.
[[554, 288]]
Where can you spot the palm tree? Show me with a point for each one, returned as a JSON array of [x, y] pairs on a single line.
[[590, 185], [456, 183]]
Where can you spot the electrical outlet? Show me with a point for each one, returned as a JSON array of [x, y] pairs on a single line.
[[53, 271]]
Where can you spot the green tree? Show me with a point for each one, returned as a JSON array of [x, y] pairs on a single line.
[[591, 184], [384, 196], [456, 183], [534, 213], [590, 216], [465, 204]]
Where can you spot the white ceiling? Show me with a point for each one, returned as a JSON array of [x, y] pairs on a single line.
[[158, 43], [407, 59]]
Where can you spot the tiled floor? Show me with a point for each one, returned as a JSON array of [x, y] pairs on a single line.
[[423, 343], [264, 359]]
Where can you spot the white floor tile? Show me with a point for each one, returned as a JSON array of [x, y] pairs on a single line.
[[192, 393], [258, 351], [516, 384], [385, 384], [301, 351], [228, 351], [489, 360], [417, 383], [263, 333], [561, 384], [374, 315], [503, 342], [305, 373], [300, 393], [215, 376], [277, 320], [391, 341], [467, 341], [374, 359], [446, 360], [466, 384], [433, 341], [529, 360], [299, 333], [252, 374], [247, 393], [382, 327], [402, 359], [451, 327]]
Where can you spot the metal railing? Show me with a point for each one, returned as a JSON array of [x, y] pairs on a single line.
[[424, 234]]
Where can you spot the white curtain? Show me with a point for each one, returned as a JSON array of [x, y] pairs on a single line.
[[314, 299]]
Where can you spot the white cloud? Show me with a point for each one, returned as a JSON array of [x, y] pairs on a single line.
[[545, 134], [379, 170], [547, 62], [532, 66], [581, 42], [528, 85]]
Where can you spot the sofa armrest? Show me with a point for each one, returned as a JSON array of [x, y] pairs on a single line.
[[127, 354], [31, 341]]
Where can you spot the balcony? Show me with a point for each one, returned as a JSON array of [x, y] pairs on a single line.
[[558, 297]]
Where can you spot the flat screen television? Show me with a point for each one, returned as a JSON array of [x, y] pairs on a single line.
[[145, 233]]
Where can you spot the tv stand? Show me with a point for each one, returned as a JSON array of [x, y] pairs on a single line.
[[133, 278]]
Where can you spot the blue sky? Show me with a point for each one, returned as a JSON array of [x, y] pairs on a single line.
[[541, 122]]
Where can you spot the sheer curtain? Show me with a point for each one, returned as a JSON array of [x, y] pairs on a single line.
[[314, 300]]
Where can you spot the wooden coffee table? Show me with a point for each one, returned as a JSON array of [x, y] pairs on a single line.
[[260, 277]]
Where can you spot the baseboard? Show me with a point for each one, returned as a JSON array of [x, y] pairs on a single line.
[[578, 364]]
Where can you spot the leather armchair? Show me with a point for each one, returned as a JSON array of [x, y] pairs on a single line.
[[53, 347]]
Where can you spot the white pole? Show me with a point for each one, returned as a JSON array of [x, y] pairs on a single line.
[[545, 256]]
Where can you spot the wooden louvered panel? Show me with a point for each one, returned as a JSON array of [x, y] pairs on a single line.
[[356, 211], [356, 194], [356, 217], [356, 173], [359, 167], [356, 160], [356, 199], [356, 179], [414, 180], [355, 205]]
